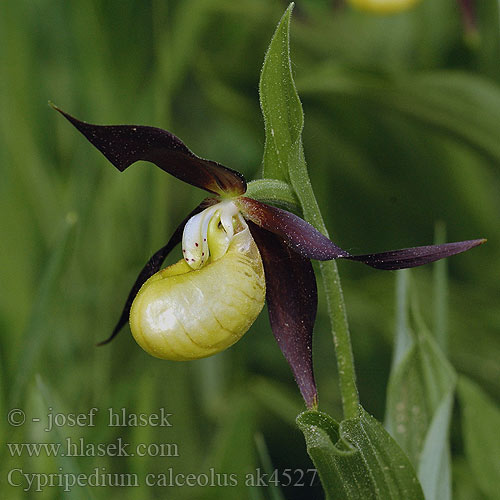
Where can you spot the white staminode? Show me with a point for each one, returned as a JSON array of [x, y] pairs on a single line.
[[195, 247]]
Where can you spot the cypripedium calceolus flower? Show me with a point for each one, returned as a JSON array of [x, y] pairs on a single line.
[[383, 6], [237, 252]]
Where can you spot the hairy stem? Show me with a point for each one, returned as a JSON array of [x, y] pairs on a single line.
[[334, 295]]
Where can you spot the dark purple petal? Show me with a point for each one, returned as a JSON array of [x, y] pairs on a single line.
[[123, 145], [292, 302], [296, 232], [468, 8], [152, 266], [413, 257]]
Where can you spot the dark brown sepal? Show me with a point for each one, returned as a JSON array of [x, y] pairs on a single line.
[[416, 256], [298, 234], [292, 302], [123, 145]]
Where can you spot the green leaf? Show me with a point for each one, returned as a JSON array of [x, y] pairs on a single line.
[[416, 389], [434, 470], [280, 103], [420, 399], [358, 458], [403, 341], [284, 120], [481, 424]]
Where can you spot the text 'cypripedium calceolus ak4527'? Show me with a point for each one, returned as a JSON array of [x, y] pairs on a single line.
[[237, 252]]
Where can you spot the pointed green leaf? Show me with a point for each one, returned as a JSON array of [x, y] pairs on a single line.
[[416, 389], [403, 340], [434, 470], [481, 424], [420, 398], [280, 103], [358, 458]]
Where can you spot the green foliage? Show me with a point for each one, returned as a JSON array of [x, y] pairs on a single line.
[[420, 398], [480, 421], [357, 458]]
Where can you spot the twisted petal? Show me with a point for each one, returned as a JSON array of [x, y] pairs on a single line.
[[296, 232], [123, 145], [152, 266], [292, 302], [416, 256]]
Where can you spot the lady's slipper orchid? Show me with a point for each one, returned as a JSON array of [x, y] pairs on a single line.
[[383, 6], [237, 251]]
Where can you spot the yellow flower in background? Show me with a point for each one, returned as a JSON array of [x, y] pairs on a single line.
[[383, 6]]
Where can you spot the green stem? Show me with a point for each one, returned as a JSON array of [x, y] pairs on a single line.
[[300, 181], [284, 160], [273, 191]]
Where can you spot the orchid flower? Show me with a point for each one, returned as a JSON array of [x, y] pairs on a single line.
[[383, 6], [237, 252]]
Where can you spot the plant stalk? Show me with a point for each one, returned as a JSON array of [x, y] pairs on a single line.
[[334, 296]]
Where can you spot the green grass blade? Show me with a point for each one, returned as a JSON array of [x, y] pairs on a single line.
[[37, 333], [274, 491], [434, 469]]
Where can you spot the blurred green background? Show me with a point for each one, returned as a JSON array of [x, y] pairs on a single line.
[[402, 131]]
